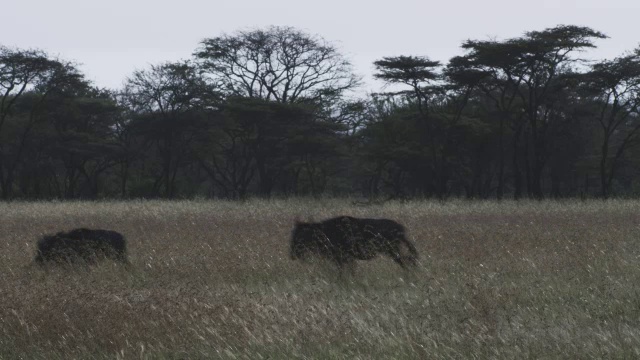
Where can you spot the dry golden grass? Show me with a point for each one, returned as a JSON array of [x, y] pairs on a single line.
[[214, 280]]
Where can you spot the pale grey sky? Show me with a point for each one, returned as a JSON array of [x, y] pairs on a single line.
[[113, 38]]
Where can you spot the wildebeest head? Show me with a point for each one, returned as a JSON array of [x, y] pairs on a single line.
[[303, 239]]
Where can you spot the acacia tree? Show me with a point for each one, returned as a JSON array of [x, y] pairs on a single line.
[[418, 72], [22, 72], [421, 75], [491, 68], [227, 157], [390, 147], [277, 64], [84, 138], [170, 100], [439, 110], [277, 69], [524, 76], [614, 88], [546, 56]]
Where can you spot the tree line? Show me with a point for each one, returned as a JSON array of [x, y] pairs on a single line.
[[273, 112]]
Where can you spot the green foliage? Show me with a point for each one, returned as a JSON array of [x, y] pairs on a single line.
[[408, 70], [265, 112]]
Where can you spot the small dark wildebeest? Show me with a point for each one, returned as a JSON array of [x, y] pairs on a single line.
[[82, 246], [345, 239]]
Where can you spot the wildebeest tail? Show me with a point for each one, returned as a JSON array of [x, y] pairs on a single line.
[[413, 252]]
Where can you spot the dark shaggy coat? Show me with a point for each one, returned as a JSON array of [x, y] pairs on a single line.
[[82, 245], [345, 239]]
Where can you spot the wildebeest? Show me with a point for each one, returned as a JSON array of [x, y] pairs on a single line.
[[82, 246], [345, 239]]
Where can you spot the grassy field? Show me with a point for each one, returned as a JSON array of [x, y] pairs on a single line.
[[214, 280]]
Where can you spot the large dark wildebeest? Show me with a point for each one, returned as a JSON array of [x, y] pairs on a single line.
[[345, 239], [82, 246]]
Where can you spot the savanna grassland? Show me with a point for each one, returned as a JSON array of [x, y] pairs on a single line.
[[213, 279]]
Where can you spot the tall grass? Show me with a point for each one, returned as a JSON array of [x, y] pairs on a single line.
[[214, 280]]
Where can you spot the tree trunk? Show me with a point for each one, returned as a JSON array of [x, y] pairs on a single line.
[[603, 168], [500, 190]]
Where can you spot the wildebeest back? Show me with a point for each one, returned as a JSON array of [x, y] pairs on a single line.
[[87, 245], [344, 239]]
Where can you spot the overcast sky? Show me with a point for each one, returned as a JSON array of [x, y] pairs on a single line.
[[110, 39]]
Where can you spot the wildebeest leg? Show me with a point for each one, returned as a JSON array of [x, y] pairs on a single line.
[[393, 250], [397, 258], [345, 262], [350, 266]]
